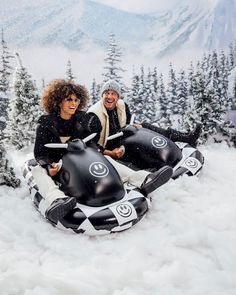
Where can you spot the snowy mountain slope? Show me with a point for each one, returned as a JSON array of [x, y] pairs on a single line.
[[70, 23], [175, 29], [185, 245], [73, 23], [197, 24]]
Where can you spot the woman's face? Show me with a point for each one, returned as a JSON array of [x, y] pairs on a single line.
[[68, 106]]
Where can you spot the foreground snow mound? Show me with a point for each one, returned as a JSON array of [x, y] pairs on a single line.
[[185, 245]]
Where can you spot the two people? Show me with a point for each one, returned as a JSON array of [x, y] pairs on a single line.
[[65, 119], [110, 114]]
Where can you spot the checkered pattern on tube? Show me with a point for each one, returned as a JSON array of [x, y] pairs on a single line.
[[111, 218]]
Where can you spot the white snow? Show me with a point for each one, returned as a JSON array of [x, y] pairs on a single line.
[[185, 245]]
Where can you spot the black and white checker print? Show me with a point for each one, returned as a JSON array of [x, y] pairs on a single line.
[[191, 163], [111, 218], [118, 216]]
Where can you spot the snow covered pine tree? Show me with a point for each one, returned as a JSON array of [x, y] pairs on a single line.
[[7, 175], [24, 110]]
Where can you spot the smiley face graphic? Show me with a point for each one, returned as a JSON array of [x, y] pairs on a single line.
[[159, 142], [98, 169], [124, 210], [191, 162]]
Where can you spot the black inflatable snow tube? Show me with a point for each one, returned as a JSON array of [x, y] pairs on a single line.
[[95, 220]]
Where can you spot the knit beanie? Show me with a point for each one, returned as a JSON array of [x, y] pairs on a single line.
[[111, 85]]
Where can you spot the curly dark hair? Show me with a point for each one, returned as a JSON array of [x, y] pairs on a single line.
[[57, 90]]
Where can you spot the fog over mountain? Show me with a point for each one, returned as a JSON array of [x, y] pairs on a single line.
[[74, 24]]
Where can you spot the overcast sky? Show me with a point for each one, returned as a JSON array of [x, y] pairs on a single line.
[[140, 5], [146, 6]]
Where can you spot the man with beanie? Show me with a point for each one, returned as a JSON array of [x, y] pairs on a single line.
[[110, 114], [107, 116]]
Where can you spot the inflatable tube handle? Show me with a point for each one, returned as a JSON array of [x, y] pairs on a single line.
[[65, 145], [91, 136], [115, 135], [56, 145]]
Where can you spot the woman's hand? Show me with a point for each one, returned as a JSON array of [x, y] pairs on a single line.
[[53, 169]]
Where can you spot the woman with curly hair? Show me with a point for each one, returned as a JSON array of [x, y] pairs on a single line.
[[64, 101]]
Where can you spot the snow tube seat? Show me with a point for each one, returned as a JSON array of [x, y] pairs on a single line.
[[88, 176], [148, 149], [104, 204]]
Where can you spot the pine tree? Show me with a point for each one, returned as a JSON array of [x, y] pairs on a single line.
[[190, 114], [150, 107], [172, 97], [7, 175], [24, 110], [112, 61], [190, 85], [200, 107], [112, 67], [5, 72], [207, 106], [155, 80], [224, 81], [233, 98], [133, 94], [163, 116], [141, 107], [137, 97], [214, 74], [182, 95], [94, 93], [205, 66], [5, 67], [69, 74], [231, 57], [219, 103], [3, 110]]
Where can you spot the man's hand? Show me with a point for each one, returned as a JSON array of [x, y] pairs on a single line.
[[137, 125], [116, 153]]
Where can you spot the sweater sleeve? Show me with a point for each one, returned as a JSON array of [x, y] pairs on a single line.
[[40, 151], [92, 124]]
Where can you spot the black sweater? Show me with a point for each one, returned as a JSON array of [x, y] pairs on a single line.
[[49, 130]]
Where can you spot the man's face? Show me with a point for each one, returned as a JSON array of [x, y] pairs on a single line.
[[109, 98]]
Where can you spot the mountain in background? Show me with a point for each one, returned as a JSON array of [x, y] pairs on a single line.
[[78, 23]]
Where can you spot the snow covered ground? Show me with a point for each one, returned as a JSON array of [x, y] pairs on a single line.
[[185, 245]]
